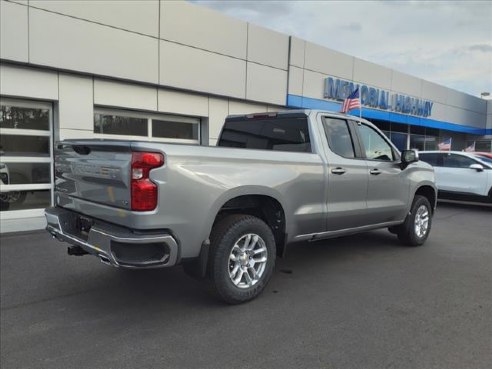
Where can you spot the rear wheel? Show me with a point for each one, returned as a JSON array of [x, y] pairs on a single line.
[[242, 257], [416, 228]]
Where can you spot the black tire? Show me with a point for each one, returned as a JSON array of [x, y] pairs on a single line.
[[228, 232], [407, 232]]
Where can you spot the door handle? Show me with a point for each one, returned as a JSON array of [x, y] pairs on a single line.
[[338, 171], [375, 172]]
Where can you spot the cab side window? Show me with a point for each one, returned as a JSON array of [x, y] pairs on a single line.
[[376, 148], [339, 138]]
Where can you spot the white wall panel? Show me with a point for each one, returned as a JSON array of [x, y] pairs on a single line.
[[132, 15], [182, 103], [330, 62], [68, 43], [68, 134], [274, 108], [203, 28], [296, 77], [198, 70], [266, 84], [439, 111], [489, 114], [475, 119], [434, 92], [218, 111], [125, 95], [28, 82], [297, 49], [313, 84], [463, 117], [459, 116], [238, 107], [406, 84], [13, 31], [465, 101], [372, 74], [267, 47], [76, 102]]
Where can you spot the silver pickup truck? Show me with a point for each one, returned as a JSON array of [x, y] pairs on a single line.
[[227, 212]]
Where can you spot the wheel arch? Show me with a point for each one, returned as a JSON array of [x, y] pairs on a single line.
[[428, 192], [259, 202], [264, 207]]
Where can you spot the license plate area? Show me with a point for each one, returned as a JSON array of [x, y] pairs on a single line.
[[83, 226]]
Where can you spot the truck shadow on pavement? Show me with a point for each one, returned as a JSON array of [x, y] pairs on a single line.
[[77, 283], [172, 287]]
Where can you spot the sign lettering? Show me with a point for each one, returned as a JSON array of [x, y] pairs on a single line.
[[339, 89]]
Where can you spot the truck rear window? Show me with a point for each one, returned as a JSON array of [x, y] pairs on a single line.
[[279, 134]]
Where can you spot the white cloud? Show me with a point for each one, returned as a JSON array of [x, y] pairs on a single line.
[[446, 42]]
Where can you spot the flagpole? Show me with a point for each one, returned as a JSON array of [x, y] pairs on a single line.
[[360, 108]]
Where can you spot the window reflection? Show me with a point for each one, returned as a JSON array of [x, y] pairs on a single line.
[[24, 118], [167, 129], [17, 145], [22, 200], [120, 125], [25, 155]]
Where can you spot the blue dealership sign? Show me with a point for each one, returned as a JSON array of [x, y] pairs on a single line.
[[339, 89]]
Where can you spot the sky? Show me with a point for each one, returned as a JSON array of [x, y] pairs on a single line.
[[446, 42]]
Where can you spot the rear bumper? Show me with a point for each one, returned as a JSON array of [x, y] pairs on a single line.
[[114, 245]]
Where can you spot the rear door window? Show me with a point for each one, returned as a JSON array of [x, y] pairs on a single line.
[[339, 138], [277, 134]]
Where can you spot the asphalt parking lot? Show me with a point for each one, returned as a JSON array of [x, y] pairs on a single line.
[[356, 302]]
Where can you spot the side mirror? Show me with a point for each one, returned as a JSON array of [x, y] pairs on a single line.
[[408, 157], [477, 167]]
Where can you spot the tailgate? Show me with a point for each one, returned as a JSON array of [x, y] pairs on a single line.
[[95, 171]]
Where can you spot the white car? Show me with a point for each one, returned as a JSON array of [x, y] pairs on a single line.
[[460, 175]]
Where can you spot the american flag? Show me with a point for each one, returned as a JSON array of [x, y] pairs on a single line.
[[445, 145], [351, 102], [470, 148]]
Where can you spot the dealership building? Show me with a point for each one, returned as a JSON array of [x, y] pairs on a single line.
[[171, 72]]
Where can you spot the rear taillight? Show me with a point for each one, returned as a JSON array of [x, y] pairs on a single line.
[[144, 191]]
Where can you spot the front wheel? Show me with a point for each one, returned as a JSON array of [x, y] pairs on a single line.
[[242, 257], [416, 228]]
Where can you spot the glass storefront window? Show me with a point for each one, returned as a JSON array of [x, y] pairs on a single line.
[[22, 145], [25, 200], [430, 143], [156, 127], [169, 129], [417, 142], [485, 145], [399, 140], [25, 157], [17, 117], [120, 125]]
